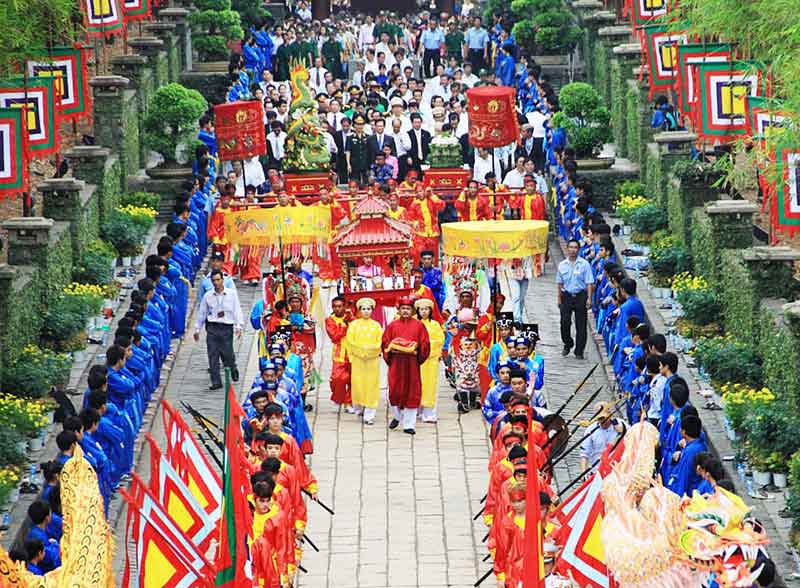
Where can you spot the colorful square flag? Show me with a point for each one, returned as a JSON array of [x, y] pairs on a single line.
[[39, 100], [661, 49], [723, 90], [646, 11], [67, 67], [13, 157], [689, 55], [133, 10], [103, 17], [786, 205]]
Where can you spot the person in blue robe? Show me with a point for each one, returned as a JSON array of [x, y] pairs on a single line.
[[684, 479], [112, 438], [91, 445], [207, 134], [432, 277], [39, 515], [630, 307], [498, 396], [670, 430], [121, 385]]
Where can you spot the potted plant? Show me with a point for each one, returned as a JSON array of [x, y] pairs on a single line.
[[667, 257], [214, 27], [64, 324], [95, 263], [89, 296], [585, 119], [125, 235], [646, 220], [34, 372], [143, 218], [29, 418], [171, 123], [545, 28], [141, 199], [739, 399], [778, 466], [728, 360], [771, 429], [9, 482]]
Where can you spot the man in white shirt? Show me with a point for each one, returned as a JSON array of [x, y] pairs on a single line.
[[358, 75], [400, 135], [266, 80], [469, 78], [365, 38], [371, 63], [483, 165], [402, 60], [304, 12], [335, 115], [516, 177], [277, 143], [316, 76], [277, 39], [221, 313]]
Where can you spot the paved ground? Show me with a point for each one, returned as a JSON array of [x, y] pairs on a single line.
[[404, 505]]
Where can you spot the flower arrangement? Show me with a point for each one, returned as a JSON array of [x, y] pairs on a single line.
[[627, 204], [34, 372], [143, 199], [89, 295], [9, 479], [728, 360], [686, 281], [739, 399], [26, 416], [142, 216]]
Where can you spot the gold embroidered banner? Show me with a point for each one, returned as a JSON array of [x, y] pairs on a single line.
[[502, 239], [290, 224]]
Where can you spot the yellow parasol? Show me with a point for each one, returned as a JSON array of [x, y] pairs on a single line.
[[500, 239]]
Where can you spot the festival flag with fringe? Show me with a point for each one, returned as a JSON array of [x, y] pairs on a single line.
[[178, 500], [233, 565], [67, 66], [192, 465], [643, 12], [133, 10], [580, 517], [103, 18], [165, 556], [689, 55], [13, 153], [660, 47], [723, 90], [40, 102]]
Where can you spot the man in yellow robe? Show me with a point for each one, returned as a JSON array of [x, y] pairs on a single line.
[[429, 371], [363, 345]]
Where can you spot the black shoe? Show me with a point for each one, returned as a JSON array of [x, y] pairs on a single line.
[[235, 374], [215, 386], [578, 355], [394, 424], [463, 408], [409, 431], [308, 408], [565, 351], [473, 401]]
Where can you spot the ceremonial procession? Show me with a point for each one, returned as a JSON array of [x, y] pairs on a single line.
[[335, 293]]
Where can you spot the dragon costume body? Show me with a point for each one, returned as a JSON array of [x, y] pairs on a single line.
[[306, 148], [654, 539]]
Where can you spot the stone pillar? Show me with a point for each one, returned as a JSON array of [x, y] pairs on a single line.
[[116, 121], [670, 148], [137, 69], [183, 31], [28, 239], [592, 24], [772, 268], [584, 8], [166, 32], [609, 38], [75, 202], [626, 57], [732, 224], [153, 49], [98, 166]]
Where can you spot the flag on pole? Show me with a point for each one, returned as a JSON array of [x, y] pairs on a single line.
[[165, 556], [178, 500], [533, 555], [233, 565], [689, 55], [188, 459], [580, 517], [39, 100], [67, 66], [13, 153], [103, 17], [133, 10], [646, 11], [660, 47]]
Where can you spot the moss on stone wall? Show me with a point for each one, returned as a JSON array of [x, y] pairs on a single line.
[[633, 123], [601, 71], [778, 347], [705, 253], [618, 120], [738, 296]]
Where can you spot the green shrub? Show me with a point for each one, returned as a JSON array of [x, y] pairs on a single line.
[[586, 121], [495, 7], [124, 234], [94, 264], [696, 171], [141, 199], [771, 435], [629, 188], [700, 306], [34, 372], [211, 47], [9, 454], [171, 119], [728, 360], [648, 219], [252, 12], [65, 323], [668, 257], [214, 24]]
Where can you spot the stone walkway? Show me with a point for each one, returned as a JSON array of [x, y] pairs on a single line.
[[404, 505]]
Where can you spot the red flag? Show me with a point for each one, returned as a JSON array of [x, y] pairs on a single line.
[[533, 556], [165, 557], [178, 500], [233, 567], [190, 462]]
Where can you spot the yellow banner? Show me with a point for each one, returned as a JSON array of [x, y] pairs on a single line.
[[292, 224], [502, 239]]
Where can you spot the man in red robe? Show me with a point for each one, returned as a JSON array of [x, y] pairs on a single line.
[[422, 291], [336, 327], [423, 214], [216, 227], [406, 346], [473, 206], [329, 264], [531, 204]]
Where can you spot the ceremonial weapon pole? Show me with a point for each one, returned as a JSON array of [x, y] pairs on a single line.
[[591, 467], [579, 411], [577, 389]]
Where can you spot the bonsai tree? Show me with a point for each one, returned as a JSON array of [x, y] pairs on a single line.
[[544, 27], [214, 25], [172, 120], [251, 12], [584, 118]]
